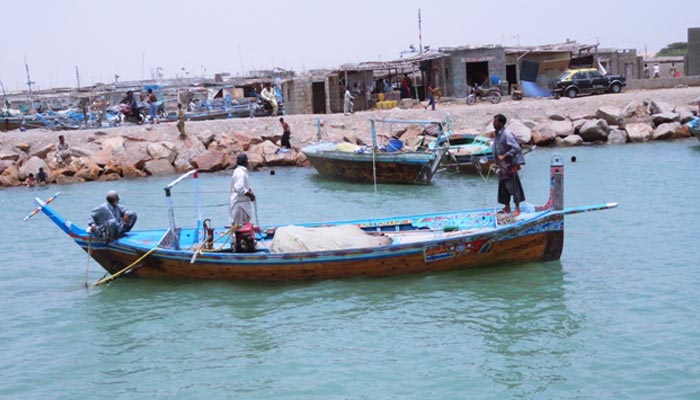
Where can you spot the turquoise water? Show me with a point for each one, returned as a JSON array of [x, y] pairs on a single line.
[[615, 318]]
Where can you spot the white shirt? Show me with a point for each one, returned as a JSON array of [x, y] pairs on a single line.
[[237, 195], [656, 69], [348, 95], [269, 95]]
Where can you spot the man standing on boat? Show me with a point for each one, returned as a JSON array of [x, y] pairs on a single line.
[[240, 195], [111, 220], [509, 158]]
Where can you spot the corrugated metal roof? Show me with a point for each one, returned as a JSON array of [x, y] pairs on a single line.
[[402, 63]]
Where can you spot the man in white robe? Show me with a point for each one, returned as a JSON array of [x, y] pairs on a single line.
[[240, 195]]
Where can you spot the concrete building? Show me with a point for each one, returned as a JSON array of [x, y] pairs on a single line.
[[467, 65], [693, 52], [623, 62]]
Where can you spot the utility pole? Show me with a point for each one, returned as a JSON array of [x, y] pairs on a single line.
[[77, 76], [420, 35], [4, 95], [29, 84]]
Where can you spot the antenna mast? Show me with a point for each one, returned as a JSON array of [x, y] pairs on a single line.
[[420, 35], [29, 83], [77, 76]]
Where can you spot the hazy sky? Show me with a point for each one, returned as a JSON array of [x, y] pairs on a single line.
[[130, 38]]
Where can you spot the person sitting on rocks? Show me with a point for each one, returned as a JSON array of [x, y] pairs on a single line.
[[63, 153], [111, 220]]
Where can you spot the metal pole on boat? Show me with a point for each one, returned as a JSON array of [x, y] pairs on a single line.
[[374, 152], [171, 212], [198, 203], [557, 178]]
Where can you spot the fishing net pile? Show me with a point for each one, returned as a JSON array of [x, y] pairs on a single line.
[[293, 239]]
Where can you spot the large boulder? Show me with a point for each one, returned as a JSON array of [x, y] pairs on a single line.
[[210, 161], [5, 164], [162, 150], [242, 139], [660, 107], [521, 131], [68, 180], [617, 136], [44, 151], [594, 130], [663, 118], [665, 131], [556, 117], [134, 154], [266, 148], [635, 110], [205, 137], [12, 173], [639, 132], [611, 115], [7, 181], [562, 128], [160, 167], [683, 131], [543, 134], [89, 171], [129, 171], [9, 156], [31, 166], [111, 177], [78, 151], [282, 158], [569, 141], [255, 161]]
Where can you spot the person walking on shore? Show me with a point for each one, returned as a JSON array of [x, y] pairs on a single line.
[[509, 158], [181, 121], [286, 134], [348, 106], [431, 97]]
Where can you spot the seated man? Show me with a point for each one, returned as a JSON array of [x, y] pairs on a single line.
[[63, 153], [110, 220], [41, 177]]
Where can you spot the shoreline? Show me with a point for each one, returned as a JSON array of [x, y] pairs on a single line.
[[137, 151]]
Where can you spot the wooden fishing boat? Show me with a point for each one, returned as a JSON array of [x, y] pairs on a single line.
[[408, 244], [466, 152], [371, 164]]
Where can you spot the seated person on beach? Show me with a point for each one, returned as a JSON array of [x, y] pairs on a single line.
[[41, 177], [63, 154], [110, 220], [30, 181]]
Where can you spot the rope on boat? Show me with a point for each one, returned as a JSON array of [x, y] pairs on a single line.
[[87, 264], [199, 247], [126, 269]]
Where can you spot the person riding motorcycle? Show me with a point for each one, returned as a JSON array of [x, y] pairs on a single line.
[[133, 108]]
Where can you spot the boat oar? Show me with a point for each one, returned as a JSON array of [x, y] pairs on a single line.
[[36, 210]]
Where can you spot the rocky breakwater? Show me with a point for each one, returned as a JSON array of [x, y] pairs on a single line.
[[136, 152], [639, 121]]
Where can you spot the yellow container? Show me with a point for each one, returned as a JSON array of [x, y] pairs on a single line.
[[381, 96]]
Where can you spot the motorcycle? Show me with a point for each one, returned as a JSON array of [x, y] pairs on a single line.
[[264, 109], [485, 94], [128, 114]]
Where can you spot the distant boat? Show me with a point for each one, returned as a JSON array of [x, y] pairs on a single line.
[[694, 126], [390, 164], [330, 250], [466, 151]]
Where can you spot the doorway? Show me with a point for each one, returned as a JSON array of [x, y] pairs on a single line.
[[318, 93], [477, 73], [511, 77]]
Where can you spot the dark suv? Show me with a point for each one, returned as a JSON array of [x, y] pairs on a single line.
[[573, 82]]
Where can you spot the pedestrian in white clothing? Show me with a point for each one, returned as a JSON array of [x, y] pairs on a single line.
[[241, 195], [348, 105]]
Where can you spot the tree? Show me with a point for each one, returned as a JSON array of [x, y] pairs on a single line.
[[674, 49]]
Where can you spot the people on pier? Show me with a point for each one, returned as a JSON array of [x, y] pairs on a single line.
[[509, 159], [240, 195], [152, 101], [268, 95], [286, 134], [63, 153], [111, 220]]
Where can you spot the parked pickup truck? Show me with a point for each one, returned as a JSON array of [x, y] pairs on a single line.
[[573, 82]]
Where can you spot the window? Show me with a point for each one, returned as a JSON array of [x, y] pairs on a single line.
[[595, 74], [580, 75]]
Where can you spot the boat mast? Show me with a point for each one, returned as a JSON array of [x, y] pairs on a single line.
[[29, 84]]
